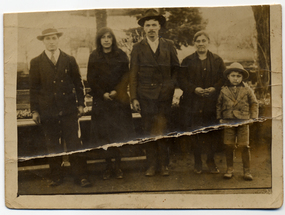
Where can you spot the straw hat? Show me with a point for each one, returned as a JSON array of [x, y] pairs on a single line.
[[238, 68], [49, 31]]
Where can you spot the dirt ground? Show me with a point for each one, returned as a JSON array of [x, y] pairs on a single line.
[[182, 179]]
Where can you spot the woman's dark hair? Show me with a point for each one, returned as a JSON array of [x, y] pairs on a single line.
[[100, 33]]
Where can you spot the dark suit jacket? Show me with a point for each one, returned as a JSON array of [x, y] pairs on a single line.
[[51, 86], [151, 78]]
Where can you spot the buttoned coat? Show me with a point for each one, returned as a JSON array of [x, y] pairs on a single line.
[[152, 78], [242, 106], [111, 121], [52, 86], [196, 110]]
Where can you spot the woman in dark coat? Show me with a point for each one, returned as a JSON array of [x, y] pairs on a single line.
[[108, 78], [201, 78]]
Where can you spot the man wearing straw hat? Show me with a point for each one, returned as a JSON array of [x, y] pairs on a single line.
[[53, 76], [153, 64]]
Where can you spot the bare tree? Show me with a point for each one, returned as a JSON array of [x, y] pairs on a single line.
[[218, 39]]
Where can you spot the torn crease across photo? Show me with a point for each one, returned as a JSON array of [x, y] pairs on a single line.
[[173, 134], [149, 103]]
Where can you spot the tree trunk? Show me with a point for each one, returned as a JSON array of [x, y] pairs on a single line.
[[261, 15], [263, 90], [101, 19]]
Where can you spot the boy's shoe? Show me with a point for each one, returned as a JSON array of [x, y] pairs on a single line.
[[119, 173], [55, 182], [85, 183], [107, 174], [214, 170], [197, 171], [229, 173], [247, 175]]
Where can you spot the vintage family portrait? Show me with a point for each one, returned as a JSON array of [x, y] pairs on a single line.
[[124, 108]]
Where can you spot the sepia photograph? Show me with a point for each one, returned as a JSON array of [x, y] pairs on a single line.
[[130, 106]]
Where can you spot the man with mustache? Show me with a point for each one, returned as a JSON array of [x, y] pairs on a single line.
[[153, 64], [201, 78]]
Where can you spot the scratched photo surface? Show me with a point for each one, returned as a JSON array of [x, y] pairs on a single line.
[[137, 101]]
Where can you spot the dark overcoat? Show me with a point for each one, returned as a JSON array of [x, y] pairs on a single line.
[[55, 93], [196, 110], [54, 89], [152, 78], [111, 120]]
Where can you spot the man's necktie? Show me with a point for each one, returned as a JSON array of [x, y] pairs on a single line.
[[53, 59]]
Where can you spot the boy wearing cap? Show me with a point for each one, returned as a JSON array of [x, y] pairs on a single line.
[[237, 104]]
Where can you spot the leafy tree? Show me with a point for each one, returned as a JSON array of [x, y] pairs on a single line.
[[182, 24]]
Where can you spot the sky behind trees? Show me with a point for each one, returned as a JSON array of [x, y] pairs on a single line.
[[225, 20]]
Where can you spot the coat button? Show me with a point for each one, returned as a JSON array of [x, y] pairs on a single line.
[[55, 94], [63, 93], [61, 81], [151, 84], [54, 82]]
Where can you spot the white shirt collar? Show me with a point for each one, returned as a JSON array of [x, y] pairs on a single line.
[[55, 54], [153, 45]]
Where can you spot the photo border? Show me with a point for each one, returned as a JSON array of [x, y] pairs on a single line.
[[270, 200]]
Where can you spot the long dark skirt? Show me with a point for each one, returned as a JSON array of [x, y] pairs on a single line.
[[111, 122]]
